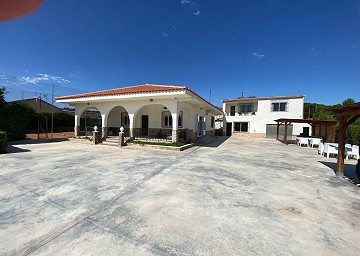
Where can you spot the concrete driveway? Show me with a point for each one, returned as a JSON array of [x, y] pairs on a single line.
[[240, 197]]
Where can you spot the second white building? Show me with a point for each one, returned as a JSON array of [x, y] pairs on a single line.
[[256, 115]]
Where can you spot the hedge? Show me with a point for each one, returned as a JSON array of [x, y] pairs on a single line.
[[3, 142], [353, 134]]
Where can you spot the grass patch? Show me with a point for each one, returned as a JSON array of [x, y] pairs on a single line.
[[170, 144]]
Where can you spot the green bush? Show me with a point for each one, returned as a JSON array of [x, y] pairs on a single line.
[[15, 120], [3, 142], [353, 134]]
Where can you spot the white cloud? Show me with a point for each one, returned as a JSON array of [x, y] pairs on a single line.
[[39, 78], [313, 52], [260, 56], [174, 27], [194, 6], [165, 35]]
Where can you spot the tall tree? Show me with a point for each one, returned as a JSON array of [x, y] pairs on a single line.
[[348, 102]]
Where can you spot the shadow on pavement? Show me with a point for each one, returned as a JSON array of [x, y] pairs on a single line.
[[12, 149], [37, 141], [349, 169], [215, 143]]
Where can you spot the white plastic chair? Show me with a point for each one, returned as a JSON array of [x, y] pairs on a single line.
[[329, 149], [354, 152], [321, 148], [315, 141], [302, 141]]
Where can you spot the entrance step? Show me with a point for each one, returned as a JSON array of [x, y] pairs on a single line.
[[111, 141]]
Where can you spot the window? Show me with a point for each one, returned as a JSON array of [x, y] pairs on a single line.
[[241, 126], [167, 119], [212, 124], [180, 119], [232, 110], [279, 106], [124, 119], [246, 108]]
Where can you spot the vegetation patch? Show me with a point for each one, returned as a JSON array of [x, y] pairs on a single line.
[[3, 142], [169, 144]]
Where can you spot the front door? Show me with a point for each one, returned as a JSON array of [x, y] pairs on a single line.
[[200, 126], [144, 125], [228, 129]]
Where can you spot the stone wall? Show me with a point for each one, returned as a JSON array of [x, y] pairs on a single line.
[[210, 133], [190, 135]]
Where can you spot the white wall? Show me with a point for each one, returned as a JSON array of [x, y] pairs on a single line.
[[111, 112], [264, 115]]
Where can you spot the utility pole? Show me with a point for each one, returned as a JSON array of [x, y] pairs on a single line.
[[38, 119], [52, 112]]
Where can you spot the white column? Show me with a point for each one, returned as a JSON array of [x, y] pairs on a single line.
[[175, 115], [131, 124]]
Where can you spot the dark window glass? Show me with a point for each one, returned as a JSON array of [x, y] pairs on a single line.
[[232, 110]]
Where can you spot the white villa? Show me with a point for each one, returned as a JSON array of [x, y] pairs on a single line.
[[256, 115], [148, 110]]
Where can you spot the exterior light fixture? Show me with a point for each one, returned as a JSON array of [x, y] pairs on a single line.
[[95, 128], [151, 100]]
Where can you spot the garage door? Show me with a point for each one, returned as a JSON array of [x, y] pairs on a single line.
[[271, 131]]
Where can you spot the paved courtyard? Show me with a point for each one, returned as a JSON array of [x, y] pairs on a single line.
[[240, 197]]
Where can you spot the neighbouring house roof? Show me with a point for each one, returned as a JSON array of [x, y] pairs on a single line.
[[254, 98], [40, 106]]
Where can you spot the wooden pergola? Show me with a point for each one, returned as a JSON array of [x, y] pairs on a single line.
[[320, 128], [347, 115]]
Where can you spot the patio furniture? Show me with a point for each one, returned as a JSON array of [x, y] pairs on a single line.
[[330, 148], [353, 151], [315, 141], [302, 141], [321, 148]]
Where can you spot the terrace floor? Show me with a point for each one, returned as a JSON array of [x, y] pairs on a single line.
[[238, 196]]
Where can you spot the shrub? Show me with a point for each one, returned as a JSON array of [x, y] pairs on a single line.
[[16, 119], [3, 142], [353, 134]]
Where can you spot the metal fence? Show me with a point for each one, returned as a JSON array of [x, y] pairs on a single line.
[[40, 92]]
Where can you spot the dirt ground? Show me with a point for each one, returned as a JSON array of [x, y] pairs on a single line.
[[56, 135]]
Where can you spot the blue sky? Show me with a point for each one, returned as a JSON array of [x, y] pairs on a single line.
[[262, 48]]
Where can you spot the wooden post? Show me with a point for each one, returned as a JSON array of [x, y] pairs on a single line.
[[341, 150], [333, 133], [321, 134], [313, 126], [277, 130], [285, 133]]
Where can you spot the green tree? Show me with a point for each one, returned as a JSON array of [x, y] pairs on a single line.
[[348, 102], [16, 119]]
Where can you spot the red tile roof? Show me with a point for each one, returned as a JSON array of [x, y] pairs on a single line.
[[145, 88], [136, 89]]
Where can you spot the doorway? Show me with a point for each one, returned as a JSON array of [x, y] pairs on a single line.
[[228, 129], [200, 125], [144, 125]]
